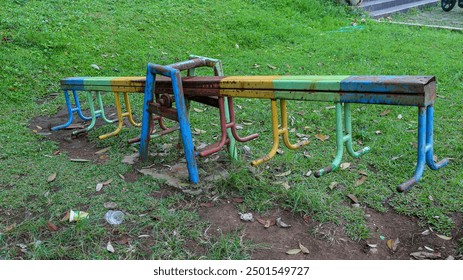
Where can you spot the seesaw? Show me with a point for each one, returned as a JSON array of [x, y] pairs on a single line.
[[164, 86]]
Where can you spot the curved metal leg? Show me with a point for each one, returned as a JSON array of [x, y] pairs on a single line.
[[120, 116], [78, 108], [276, 135], [92, 113], [285, 131], [71, 110], [233, 127], [339, 144], [129, 110], [421, 152], [348, 128], [70, 113], [430, 142]]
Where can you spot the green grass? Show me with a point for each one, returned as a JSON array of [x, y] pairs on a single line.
[[44, 41]]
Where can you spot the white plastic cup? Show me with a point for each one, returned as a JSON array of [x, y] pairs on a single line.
[[114, 217]]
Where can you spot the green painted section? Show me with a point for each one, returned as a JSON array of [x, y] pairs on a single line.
[[311, 83], [307, 96], [98, 83]]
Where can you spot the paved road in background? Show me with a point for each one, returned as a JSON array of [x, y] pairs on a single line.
[[433, 16]]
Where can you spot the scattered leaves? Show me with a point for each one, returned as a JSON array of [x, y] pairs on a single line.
[[110, 247], [109, 181], [282, 224], [99, 186], [266, 222], [65, 217], [322, 137], [206, 204], [271, 66], [198, 131], [283, 174], [392, 244], [353, 198], [51, 226], [293, 251], [51, 178], [360, 181], [303, 248], [10, 227], [102, 151], [110, 205], [345, 165], [333, 185], [444, 237], [420, 255], [385, 112]]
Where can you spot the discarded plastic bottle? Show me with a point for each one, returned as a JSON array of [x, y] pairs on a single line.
[[114, 217]]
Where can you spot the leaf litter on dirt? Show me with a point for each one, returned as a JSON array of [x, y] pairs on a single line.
[[281, 224], [303, 249], [293, 251]]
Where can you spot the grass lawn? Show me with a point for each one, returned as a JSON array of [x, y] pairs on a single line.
[[45, 41]]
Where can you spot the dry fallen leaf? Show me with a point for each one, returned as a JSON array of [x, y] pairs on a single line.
[[206, 204], [360, 181], [286, 185], [353, 198], [345, 165], [110, 205], [10, 227], [333, 185], [282, 224], [198, 110], [385, 112], [52, 177], [66, 217], [444, 237], [322, 137], [238, 199], [271, 67], [420, 255], [99, 186], [109, 181], [110, 247], [293, 251], [197, 131], [309, 173], [303, 248], [283, 174], [51, 226], [400, 116], [102, 151]]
